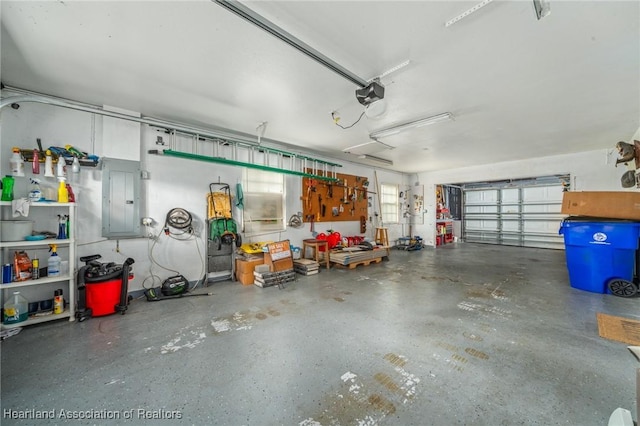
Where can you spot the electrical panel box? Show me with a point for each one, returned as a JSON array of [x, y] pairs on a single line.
[[120, 198]]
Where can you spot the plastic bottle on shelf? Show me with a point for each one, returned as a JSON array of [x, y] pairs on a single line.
[[63, 193], [61, 165], [75, 166], [35, 164], [16, 163], [48, 164], [7, 188], [16, 309], [58, 302], [53, 265], [35, 194], [72, 196]]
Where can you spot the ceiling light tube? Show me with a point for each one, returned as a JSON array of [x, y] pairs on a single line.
[[467, 12], [411, 125], [374, 158], [351, 148], [360, 145]]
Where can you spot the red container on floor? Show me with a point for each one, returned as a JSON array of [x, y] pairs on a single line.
[[102, 297]]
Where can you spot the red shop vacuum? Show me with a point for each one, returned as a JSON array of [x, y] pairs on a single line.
[[102, 287]]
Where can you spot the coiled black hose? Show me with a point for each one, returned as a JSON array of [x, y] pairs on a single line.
[[179, 219]]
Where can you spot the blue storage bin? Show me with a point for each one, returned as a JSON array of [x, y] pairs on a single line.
[[599, 250]]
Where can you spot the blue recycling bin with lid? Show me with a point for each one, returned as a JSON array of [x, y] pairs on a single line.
[[599, 250]]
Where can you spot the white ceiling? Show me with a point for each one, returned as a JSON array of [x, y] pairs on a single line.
[[518, 87]]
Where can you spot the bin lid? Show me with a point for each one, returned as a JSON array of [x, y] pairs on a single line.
[[597, 219]]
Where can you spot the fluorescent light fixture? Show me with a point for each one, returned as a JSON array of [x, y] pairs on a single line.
[[467, 12], [410, 125], [360, 145], [374, 158], [392, 70], [542, 8]]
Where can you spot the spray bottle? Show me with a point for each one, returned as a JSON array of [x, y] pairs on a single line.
[[62, 227], [53, 265], [35, 194], [63, 193]]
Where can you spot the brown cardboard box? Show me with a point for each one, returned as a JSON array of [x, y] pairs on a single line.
[[279, 257], [602, 204], [245, 278], [245, 268]]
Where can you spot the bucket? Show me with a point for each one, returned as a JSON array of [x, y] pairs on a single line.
[[102, 297]]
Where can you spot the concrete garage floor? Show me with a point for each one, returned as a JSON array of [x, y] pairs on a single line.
[[466, 334]]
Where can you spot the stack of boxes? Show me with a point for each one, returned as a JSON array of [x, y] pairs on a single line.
[[277, 259]]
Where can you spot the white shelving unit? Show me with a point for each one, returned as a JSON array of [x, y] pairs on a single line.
[[68, 246]]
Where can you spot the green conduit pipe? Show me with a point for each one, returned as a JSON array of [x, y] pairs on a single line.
[[198, 157]]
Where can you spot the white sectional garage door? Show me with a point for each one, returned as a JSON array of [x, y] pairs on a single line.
[[520, 213]]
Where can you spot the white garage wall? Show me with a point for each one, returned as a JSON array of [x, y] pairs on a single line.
[[590, 171], [172, 183]]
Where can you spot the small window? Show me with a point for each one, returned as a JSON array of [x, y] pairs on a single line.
[[264, 209], [389, 201]]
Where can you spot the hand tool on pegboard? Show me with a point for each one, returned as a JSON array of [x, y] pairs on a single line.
[[344, 195]]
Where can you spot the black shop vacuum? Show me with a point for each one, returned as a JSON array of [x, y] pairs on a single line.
[[102, 287]]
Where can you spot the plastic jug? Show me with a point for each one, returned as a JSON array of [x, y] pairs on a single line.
[[16, 163], [7, 188], [53, 265], [16, 309]]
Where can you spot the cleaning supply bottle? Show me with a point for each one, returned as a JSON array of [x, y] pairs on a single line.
[[61, 167], [58, 302], [7, 188], [35, 163], [63, 194], [62, 227], [16, 163], [48, 164], [16, 309], [72, 196], [75, 166], [35, 194], [53, 265]]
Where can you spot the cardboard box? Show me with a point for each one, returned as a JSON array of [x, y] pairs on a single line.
[[245, 268], [279, 257], [602, 204], [245, 278]]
